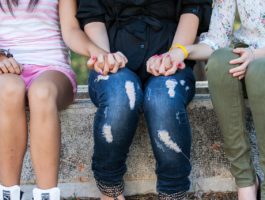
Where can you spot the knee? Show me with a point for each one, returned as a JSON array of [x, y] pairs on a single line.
[[125, 97], [163, 94], [218, 63], [13, 93], [43, 94]]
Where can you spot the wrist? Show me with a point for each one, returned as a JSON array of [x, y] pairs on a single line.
[[258, 53], [95, 51], [182, 48]]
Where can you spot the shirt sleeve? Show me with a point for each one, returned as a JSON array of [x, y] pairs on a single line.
[[201, 8], [90, 11], [221, 25]]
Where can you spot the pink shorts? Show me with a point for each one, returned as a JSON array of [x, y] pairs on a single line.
[[31, 72]]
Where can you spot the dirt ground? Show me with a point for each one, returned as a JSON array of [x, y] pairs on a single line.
[[191, 196]]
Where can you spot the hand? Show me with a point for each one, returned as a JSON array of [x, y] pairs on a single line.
[[166, 64], [246, 57], [105, 63], [9, 65]]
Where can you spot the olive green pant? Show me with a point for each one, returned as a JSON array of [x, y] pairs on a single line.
[[228, 100]]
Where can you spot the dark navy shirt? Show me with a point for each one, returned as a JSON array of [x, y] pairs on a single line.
[[142, 28]]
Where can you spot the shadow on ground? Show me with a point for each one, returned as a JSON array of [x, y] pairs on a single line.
[[191, 196]]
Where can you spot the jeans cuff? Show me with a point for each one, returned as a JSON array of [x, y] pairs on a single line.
[[175, 196], [112, 191]]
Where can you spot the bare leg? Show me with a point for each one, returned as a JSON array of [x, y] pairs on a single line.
[[247, 193], [13, 128], [48, 94]]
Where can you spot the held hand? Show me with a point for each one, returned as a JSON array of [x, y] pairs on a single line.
[[107, 62], [177, 59], [9, 65], [246, 57], [166, 64]]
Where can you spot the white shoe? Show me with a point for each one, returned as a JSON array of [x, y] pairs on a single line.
[[50, 194]]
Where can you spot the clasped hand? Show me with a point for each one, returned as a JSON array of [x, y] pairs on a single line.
[[166, 64], [105, 63]]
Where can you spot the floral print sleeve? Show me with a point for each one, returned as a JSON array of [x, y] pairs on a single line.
[[221, 26]]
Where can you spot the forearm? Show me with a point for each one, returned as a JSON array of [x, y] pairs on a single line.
[[97, 33], [73, 36], [78, 42], [199, 52], [187, 29]]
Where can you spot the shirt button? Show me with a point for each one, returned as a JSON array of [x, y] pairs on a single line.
[[142, 46]]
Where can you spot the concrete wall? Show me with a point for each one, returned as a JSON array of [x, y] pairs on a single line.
[[210, 167]]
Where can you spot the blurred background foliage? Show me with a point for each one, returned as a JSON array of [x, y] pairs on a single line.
[[79, 63]]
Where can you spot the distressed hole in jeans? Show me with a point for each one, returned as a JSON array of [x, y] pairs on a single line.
[[167, 140], [182, 117], [182, 82], [159, 145], [102, 78], [171, 85], [130, 91], [106, 132], [106, 112]]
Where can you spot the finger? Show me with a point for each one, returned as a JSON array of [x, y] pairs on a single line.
[[171, 71], [241, 77], [123, 56], [3, 68], [157, 62], [91, 62], [237, 74], [98, 69], [153, 67], [239, 68], [106, 67], [118, 59], [115, 68], [238, 60], [110, 61], [15, 65], [239, 50], [9, 66], [124, 59], [154, 71], [181, 65], [166, 63], [100, 63]]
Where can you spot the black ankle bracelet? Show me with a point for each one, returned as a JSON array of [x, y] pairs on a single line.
[[176, 196], [111, 191]]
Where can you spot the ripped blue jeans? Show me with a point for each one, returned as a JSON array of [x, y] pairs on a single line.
[[120, 99]]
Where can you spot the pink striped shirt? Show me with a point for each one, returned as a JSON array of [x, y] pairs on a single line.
[[34, 37]]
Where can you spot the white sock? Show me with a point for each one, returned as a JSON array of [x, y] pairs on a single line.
[[50, 194], [10, 193]]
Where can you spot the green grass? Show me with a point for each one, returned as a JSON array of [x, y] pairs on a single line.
[[79, 66]]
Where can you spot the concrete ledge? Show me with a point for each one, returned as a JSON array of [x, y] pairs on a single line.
[[210, 167]]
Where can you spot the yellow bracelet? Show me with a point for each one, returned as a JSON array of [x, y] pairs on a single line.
[[183, 48]]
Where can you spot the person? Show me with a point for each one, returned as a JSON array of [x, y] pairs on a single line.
[[34, 71], [124, 35], [236, 67]]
